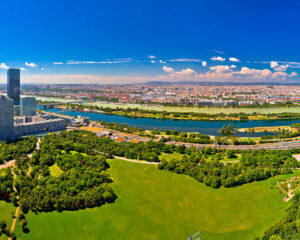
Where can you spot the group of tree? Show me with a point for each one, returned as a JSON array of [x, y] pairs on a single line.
[[190, 138], [6, 184], [227, 130], [120, 127], [12, 150], [5, 231], [205, 166], [83, 183]]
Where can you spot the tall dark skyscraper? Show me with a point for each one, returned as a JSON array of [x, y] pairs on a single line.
[[13, 85]]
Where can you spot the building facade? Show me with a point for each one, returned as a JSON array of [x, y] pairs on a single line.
[[13, 85], [6, 118], [28, 106]]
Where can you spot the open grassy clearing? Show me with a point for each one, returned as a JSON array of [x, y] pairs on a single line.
[[155, 204], [177, 156], [55, 171], [5, 214], [227, 159], [170, 156]]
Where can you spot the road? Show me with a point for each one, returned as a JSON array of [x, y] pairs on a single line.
[[271, 146]]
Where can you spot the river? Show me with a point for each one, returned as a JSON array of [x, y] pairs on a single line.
[[205, 127]]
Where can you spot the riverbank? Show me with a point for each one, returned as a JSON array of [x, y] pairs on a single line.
[[269, 129], [183, 116], [207, 127]]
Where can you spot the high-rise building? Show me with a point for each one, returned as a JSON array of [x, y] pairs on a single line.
[[13, 85], [6, 118], [28, 106]]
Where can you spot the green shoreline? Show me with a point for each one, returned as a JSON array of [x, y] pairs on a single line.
[[158, 115]]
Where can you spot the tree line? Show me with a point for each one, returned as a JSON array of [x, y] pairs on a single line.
[[205, 166]]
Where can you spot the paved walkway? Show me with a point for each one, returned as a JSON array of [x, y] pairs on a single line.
[[136, 161]]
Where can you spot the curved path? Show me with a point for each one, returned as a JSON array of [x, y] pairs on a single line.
[[136, 161]]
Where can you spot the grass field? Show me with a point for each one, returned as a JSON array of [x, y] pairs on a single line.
[[5, 214], [170, 156], [156, 204]]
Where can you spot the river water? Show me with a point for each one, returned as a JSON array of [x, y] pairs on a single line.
[[205, 127]]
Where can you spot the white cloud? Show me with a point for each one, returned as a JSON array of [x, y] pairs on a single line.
[[57, 63], [219, 52], [282, 75], [255, 72], [71, 62], [161, 61], [187, 71], [42, 69], [274, 64], [185, 60], [293, 74], [220, 59], [233, 59], [233, 66], [220, 68], [290, 63], [151, 57], [123, 59], [4, 66], [168, 69], [23, 69], [281, 67], [30, 64], [180, 74], [153, 61], [204, 64]]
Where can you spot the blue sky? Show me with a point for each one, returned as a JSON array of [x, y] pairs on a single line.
[[137, 41]]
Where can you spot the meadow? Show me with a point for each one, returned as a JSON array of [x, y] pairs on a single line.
[[5, 214], [156, 204]]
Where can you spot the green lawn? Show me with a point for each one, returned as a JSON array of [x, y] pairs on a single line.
[[5, 214], [170, 156], [156, 204]]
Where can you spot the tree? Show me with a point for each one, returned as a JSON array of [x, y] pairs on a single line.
[[227, 130], [3, 225], [275, 237]]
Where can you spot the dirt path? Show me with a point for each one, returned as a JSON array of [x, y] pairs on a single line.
[[11, 163], [131, 160], [136, 161], [8, 164], [14, 221]]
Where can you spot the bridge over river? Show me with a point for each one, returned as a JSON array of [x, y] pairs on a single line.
[[51, 105]]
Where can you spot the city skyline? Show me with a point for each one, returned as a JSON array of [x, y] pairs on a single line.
[[95, 42]]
